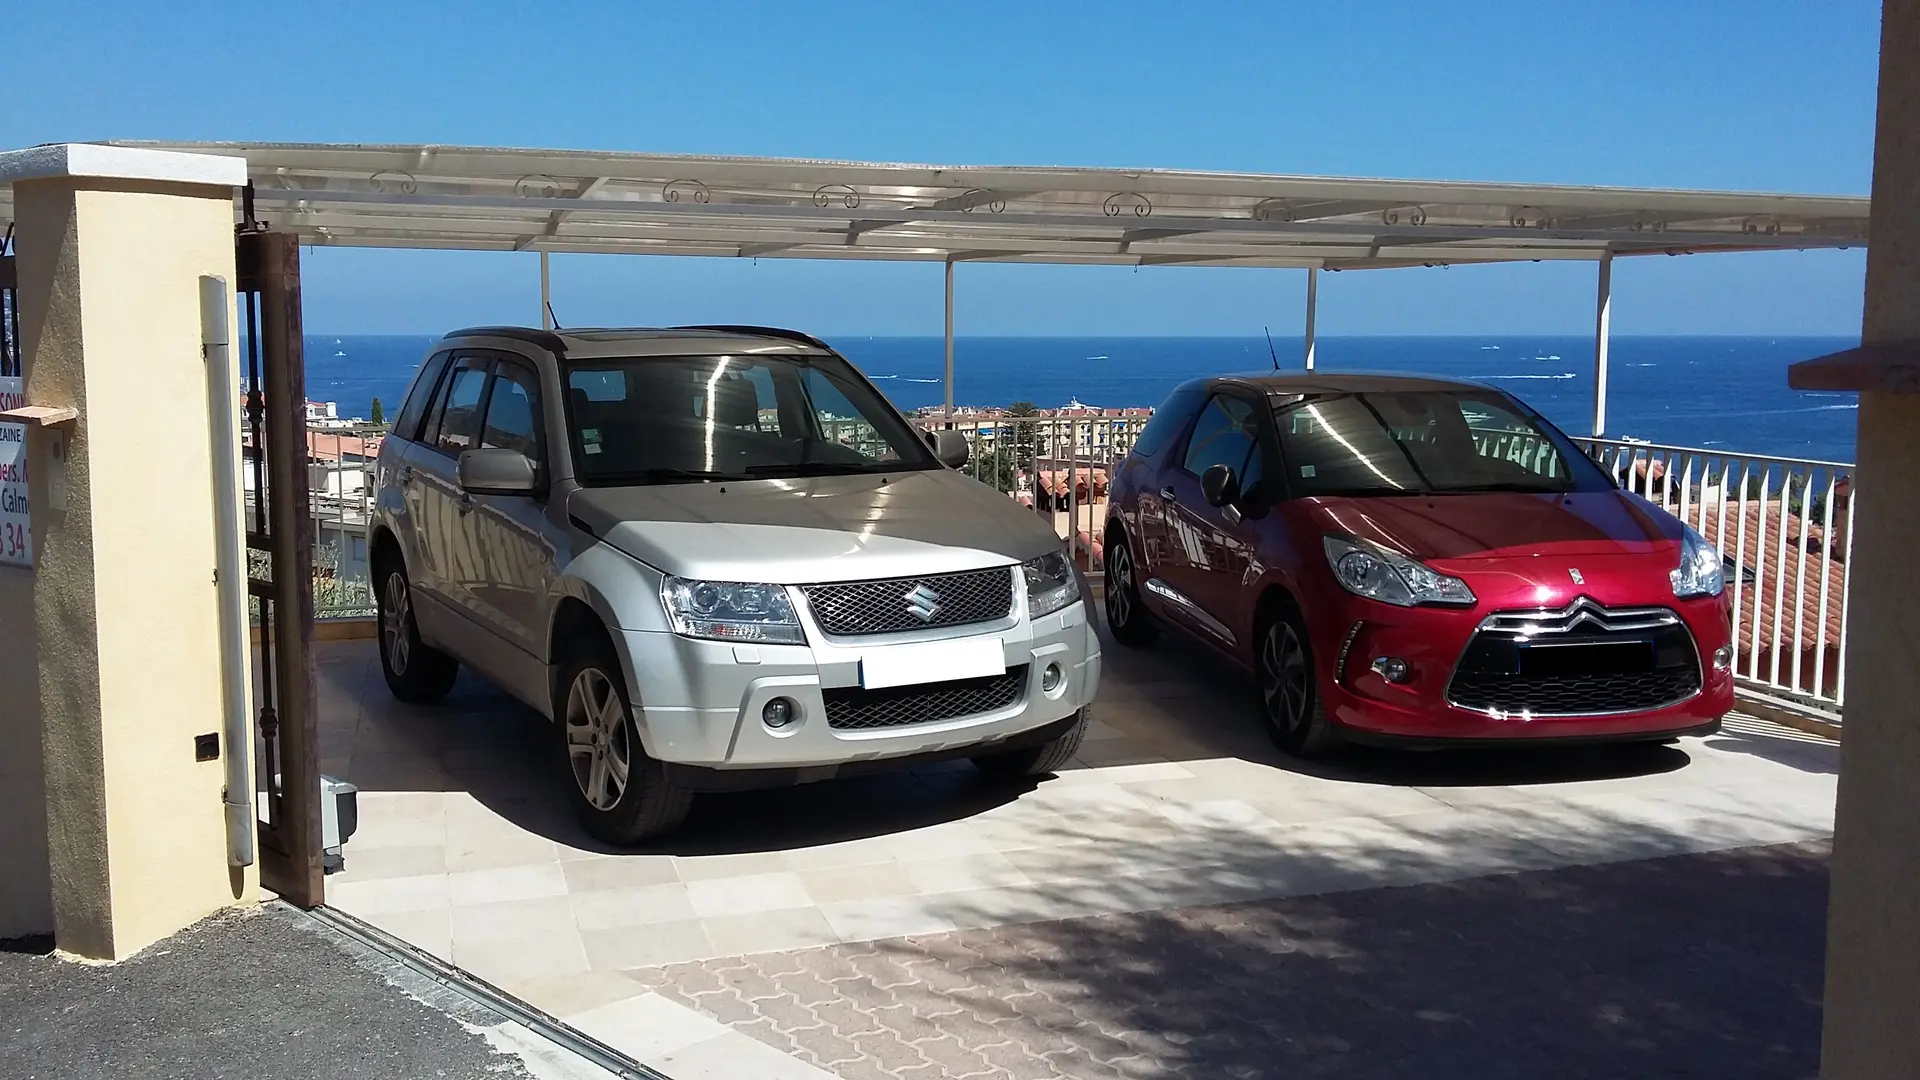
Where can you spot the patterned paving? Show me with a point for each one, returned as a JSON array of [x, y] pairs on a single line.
[[1700, 965], [467, 848]]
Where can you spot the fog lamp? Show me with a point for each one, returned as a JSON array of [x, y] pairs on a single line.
[[1392, 668], [1723, 658], [778, 713], [1050, 678]]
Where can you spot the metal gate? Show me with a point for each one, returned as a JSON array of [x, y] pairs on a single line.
[[279, 539]]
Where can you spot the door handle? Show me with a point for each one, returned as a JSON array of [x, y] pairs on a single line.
[[1167, 494]]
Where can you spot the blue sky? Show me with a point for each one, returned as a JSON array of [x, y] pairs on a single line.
[[1749, 94]]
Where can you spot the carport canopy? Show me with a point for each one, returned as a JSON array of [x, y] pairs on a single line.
[[500, 199], [497, 199]]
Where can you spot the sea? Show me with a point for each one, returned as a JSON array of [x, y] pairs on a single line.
[[1723, 393]]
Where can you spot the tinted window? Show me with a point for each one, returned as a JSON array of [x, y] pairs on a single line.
[[407, 425], [1418, 442], [510, 412], [1167, 422], [1227, 433], [457, 421]]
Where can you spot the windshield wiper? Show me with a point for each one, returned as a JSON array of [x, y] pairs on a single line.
[[1501, 486], [826, 468], [661, 476]]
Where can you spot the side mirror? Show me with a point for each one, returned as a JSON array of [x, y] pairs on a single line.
[[496, 470], [951, 448], [1220, 486]]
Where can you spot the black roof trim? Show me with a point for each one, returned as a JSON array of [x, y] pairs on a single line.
[[546, 339], [765, 331]]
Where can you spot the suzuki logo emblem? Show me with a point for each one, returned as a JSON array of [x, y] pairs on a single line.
[[1575, 575], [922, 603]]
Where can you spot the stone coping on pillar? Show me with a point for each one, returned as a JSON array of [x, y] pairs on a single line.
[[1892, 367], [96, 162]]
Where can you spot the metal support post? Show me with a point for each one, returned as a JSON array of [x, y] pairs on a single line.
[[948, 411], [1313, 308], [546, 294], [1602, 332]]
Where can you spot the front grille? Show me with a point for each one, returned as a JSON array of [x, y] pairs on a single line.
[[895, 605], [852, 707], [1584, 660]]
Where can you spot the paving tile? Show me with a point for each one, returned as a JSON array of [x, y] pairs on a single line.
[[769, 931], [497, 848], [885, 917], [608, 909], [423, 893], [864, 882], [963, 872], [506, 883], [596, 872], [730, 1057], [705, 867], [747, 894], [566, 995], [501, 960], [645, 1026], [429, 930], [646, 946], [475, 923]]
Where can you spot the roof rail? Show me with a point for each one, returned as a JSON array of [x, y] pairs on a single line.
[[546, 339], [765, 331]]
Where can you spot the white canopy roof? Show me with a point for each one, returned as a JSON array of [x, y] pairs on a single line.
[[589, 201]]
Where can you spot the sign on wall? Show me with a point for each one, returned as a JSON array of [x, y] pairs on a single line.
[[16, 543]]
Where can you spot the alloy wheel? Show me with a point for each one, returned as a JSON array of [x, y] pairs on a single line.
[[597, 746], [1119, 587], [395, 631], [1283, 678]]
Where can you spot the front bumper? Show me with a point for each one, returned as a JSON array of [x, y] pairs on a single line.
[[1432, 641], [699, 703]]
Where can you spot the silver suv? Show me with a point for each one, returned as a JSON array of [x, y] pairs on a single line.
[[718, 559]]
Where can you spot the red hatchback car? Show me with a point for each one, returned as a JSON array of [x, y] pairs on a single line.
[[1414, 561]]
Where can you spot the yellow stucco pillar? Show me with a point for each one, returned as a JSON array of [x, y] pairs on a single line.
[[111, 245], [1872, 1017]]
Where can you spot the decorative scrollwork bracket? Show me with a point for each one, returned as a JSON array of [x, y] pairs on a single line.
[[1120, 201], [394, 182], [675, 190], [827, 194]]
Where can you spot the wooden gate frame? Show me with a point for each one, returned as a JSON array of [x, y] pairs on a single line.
[[281, 527]]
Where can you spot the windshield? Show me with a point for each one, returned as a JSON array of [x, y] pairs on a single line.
[[679, 419], [1426, 442]]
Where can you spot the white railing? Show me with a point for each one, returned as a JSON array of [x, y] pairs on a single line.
[[1784, 527], [1059, 466]]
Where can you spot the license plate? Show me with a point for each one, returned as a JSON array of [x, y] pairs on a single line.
[[932, 661], [1593, 658]]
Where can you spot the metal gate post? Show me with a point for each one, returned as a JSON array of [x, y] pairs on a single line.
[[290, 836]]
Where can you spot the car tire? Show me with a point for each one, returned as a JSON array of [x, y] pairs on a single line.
[[1289, 695], [1127, 619], [1033, 761], [417, 673], [620, 794]]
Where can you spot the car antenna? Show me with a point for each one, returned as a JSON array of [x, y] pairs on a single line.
[[1270, 352], [555, 320]]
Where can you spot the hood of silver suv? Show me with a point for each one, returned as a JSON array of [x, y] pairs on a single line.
[[835, 528]]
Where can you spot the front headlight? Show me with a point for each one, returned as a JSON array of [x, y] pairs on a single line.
[[1700, 572], [1051, 584], [731, 611], [1372, 571]]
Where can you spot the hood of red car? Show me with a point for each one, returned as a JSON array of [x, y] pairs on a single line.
[[1453, 528]]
